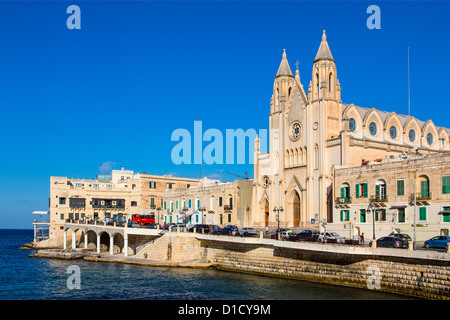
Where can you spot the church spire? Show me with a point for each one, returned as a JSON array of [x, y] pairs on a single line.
[[284, 69], [324, 52]]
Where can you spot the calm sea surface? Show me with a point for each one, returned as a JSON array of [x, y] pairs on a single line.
[[25, 278]]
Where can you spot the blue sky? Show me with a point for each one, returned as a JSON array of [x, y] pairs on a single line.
[[114, 91]]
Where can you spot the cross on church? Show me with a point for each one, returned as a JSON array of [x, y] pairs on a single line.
[[296, 64]]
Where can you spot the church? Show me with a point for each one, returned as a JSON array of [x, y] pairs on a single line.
[[312, 132]]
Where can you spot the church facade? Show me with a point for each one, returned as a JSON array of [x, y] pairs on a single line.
[[312, 132]]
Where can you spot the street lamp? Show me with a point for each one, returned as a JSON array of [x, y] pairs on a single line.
[[278, 210], [372, 210]]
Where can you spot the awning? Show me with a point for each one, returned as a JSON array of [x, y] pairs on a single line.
[[444, 212], [400, 206]]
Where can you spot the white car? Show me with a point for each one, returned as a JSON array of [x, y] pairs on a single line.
[[248, 232], [325, 236]]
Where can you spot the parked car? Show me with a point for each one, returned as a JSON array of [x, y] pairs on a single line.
[[304, 235], [281, 231], [248, 232], [134, 225], [170, 224], [285, 235], [404, 236], [229, 229], [391, 242], [199, 227], [437, 242], [330, 237]]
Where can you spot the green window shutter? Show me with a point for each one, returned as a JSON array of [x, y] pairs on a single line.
[[376, 215], [423, 213], [362, 216], [190, 203], [357, 190], [164, 205], [366, 189], [383, 215], [176, 204], [446, 217], [229, 217], [400, 187], [342, 192], [424, 188], [220, 201], [446, 184], [377, 191], [347, 215]]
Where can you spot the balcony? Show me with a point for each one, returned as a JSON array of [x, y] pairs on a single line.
[[421, 197], [343, 202], [227, 207], [379, 200]]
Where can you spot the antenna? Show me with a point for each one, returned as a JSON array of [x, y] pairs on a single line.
[[409, 89]]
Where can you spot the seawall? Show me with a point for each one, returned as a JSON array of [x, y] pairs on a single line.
[[417, 273]]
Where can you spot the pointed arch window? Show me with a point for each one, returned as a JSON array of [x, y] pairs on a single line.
[[316, 157], [317, 83], [330, 83], [352, 124]]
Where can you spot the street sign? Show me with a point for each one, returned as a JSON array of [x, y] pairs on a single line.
[[313, 221]]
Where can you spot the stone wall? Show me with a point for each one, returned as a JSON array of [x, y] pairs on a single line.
[[391, 270]]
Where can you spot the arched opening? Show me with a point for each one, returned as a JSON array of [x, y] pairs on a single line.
[[423, 187], [317, 84], [91, 239], [296, 209], [118, 243], [380, 190], [330, 83], [266, 213], [104, 242]]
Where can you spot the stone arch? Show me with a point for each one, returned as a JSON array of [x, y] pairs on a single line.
[[104, 241], [295, 208], [430, 128], [373, 116], [393, 121], [443, 139], [412, 124], [91, 239]]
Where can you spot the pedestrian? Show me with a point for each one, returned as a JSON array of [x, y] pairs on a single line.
[[361, 238], [267, 230]]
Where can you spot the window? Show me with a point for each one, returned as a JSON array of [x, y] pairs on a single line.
[[169, 185], [188, 186], [330, 82], [62, 200], [352, 124], [345, 215], [78, 185], [190, 203], [380, 215], [109, 187], [393, 132], [61, 216], [152, 185], [95, 186], [361, 190], [401, 215], [133, 187], [362, 215], [373, 128], [134, 203], [345, 193], [380, 190], [229, 217], [422, 213], [176, 204], [152, 202], [412, 135], [430, 139], [445, 214], [220, 201], [446, 184], [400, 188], [165, 205]]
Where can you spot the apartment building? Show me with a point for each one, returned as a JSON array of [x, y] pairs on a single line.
[[210, 202], [109, 197], [393, 194]]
